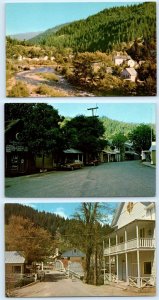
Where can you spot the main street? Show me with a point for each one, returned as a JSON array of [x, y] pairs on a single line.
[[119, 179], [57, 285]]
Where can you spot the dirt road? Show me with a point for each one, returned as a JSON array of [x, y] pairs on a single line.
[[58, 285]]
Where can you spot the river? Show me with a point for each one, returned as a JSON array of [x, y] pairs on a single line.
[[31, 77]]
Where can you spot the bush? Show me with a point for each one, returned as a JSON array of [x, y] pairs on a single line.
[[45, 90], [19, 90], [49, 76]]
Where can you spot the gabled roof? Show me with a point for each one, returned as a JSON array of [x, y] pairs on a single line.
[[131, 71], [72, 151], [13, 257], [119, 210], [73, 253]]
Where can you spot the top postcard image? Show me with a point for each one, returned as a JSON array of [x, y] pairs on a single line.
[[77, 49]]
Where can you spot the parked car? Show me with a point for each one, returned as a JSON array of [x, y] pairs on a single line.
[[93, 162], [72, 165]]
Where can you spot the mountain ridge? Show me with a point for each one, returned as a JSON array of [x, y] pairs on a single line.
[[105, 30]]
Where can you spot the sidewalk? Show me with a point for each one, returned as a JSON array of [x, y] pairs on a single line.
[[148, 164]]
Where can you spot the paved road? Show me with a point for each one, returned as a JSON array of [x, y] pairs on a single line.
[[123, 179], [57, 285]]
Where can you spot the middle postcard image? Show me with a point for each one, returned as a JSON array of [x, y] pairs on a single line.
[[80, 150]]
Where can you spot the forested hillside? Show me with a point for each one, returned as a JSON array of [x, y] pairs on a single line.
[[53, 223], [106, 30], [113, 127]]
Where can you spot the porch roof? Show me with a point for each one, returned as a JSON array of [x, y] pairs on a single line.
[[127, 225], [13, 257], [73, 253], [72, 151]]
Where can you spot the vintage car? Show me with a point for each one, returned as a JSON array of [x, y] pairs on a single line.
[[93, 162], [72, 165]]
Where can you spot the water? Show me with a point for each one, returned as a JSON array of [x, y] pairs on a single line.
[[63, 85]]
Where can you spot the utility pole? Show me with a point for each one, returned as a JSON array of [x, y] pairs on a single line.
[[93, 109]]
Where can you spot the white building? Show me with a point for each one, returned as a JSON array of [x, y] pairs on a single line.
[[129, 251], [131, 63], [129, 74], [120, 59]]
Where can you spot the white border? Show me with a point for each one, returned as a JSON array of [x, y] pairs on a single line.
[[65, 100]]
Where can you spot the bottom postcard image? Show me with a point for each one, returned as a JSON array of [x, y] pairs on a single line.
[[80, 249]]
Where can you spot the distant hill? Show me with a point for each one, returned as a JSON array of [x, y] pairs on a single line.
[[113, 127], [41, 37], [106, 30], [25, 36]]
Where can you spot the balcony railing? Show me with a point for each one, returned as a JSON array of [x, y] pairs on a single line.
[[130, 245]]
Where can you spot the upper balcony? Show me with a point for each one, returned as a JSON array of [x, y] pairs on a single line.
[[134, 244]]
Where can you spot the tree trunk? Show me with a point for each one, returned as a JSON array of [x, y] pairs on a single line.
[[43, 161]]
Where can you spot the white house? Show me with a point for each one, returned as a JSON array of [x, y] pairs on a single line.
[[109, 155], [153, 153], [129, 251], [129, 74], [20, 58], [120, 59], [131, 63]]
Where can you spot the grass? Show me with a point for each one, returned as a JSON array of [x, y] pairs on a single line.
[[49, 76], [43, 89], [19, 90]]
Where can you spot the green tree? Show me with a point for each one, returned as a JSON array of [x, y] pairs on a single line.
[[118, 141], [141, 137], [86, 134], [41, 131]]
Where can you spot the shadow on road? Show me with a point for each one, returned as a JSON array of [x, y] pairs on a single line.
[[54, 277]]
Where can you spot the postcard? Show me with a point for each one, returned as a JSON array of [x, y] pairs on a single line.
[[81, 150], [77, 49]]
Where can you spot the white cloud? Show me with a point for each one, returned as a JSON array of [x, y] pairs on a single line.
[[60, 212]]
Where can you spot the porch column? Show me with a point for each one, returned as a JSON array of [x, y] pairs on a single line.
[[137, 235], [138, 257], [117, 261], [117, 267], [138, 269], [109, 244], [110, 275], [126, 257], [109, 262], [42, 266], [108, 157], [126, 263], [125, 239]]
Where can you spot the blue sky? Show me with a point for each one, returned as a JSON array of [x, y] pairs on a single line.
[[33, 17], [66, 209], [126, 112]]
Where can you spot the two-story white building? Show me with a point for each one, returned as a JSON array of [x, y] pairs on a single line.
[[129, 251]]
